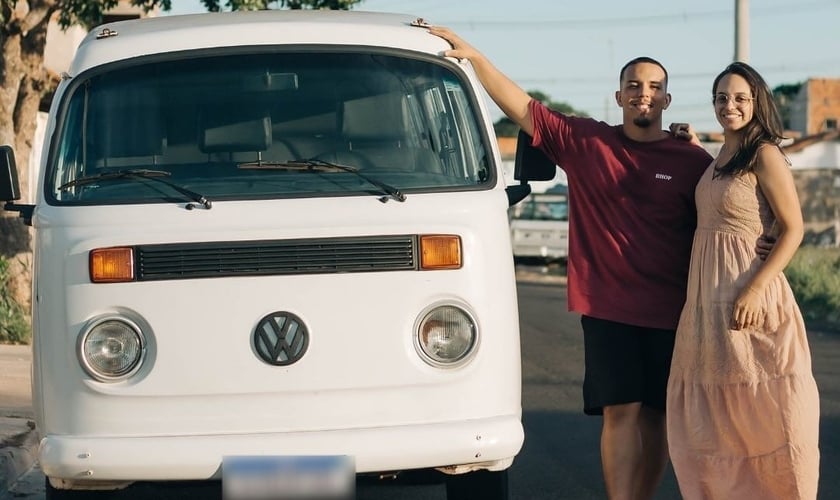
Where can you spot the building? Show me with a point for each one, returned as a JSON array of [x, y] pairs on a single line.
[[816, 108]]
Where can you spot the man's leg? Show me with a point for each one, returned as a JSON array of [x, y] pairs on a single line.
[[654, 452], [659, 348], [621, 450], [626, 376], [634, 451]]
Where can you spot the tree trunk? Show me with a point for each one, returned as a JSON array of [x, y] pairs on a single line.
[[24, 81]]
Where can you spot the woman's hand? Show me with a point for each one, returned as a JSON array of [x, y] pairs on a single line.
[[748, 310]]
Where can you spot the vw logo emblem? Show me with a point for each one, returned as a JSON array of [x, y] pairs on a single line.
[[280, 339]]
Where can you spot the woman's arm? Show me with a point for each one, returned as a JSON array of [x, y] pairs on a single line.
[[776, 182]]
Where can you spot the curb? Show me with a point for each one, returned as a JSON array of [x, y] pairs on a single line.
[[540, 278], [17, 455]]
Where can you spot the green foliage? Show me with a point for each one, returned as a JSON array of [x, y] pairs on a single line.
[[814, 276], [85, 12], [14, 326], [319, 4], [504, 126], [89, 13], [215, 6], [784, 96], [787, 90]]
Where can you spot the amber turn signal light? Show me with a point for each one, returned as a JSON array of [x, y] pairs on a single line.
[[440, 251], [112, 265]]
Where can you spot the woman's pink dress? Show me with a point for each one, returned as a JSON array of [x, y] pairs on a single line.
[[743, 406]]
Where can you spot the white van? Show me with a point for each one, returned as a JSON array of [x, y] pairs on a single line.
[[269, 242]]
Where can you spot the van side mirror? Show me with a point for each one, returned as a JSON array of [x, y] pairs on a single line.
[[531, 164], [9, 185]]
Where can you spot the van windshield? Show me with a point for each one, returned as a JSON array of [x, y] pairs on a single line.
[[405, 122]]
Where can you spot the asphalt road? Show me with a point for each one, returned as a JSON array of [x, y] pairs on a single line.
[[560, 457]]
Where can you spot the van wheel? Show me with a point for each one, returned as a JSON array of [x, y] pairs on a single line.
[[483, 484]]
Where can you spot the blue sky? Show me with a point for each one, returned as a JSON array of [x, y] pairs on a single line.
[[573, 50]]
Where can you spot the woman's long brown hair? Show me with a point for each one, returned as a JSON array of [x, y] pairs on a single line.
[[764, 128]]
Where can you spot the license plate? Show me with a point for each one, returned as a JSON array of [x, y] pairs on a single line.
[[288, 477]]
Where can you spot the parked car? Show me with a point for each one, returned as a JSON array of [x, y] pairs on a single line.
[[539, 227]]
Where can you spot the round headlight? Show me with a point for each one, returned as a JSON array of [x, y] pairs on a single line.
[[111, 349], [446, 335]]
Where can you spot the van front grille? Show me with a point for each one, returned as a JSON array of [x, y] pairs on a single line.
[[277, 257]]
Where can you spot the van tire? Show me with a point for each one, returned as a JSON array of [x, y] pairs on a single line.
[[483, 484]]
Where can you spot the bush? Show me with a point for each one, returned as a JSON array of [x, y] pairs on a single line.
[[14, 325], [814, 276]]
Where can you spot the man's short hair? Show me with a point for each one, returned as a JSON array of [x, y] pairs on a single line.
[[638, 60]]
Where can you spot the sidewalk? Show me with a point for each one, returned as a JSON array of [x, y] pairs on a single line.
[[18, 441]]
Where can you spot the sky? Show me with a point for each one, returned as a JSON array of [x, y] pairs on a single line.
[[572, 51]]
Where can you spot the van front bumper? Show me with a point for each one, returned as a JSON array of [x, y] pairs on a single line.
[[488, 443]]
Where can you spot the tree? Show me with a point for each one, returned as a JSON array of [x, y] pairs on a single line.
[[504, 126], [25, 84], [784, 95], [213, 5]]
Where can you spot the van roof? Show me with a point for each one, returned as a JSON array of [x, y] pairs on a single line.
[[128, 39]]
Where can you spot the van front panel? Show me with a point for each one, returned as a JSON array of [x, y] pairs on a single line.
[[202, 374]]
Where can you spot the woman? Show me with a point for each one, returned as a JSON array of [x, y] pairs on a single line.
[[743, 407]]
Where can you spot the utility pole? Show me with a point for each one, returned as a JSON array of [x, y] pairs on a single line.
[[742, 31], [609, 103]]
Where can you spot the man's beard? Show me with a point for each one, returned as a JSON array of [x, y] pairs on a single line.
[[642, 121]]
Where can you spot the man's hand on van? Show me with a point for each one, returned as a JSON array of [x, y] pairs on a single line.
[[460, 49]]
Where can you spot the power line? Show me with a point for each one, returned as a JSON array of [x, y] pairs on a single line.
[[589, 23], [780, 68]]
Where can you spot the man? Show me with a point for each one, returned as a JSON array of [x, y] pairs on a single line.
[[631, 190]]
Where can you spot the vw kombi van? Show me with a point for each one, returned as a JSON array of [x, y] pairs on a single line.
[[267, 244]]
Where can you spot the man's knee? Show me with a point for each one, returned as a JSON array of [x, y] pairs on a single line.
[[627, 413]]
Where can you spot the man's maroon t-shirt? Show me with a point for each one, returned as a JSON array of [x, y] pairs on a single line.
[[631, 217]]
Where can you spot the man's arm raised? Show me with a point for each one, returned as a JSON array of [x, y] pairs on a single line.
[[509, 96]]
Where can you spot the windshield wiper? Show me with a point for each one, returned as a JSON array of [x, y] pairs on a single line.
[[142, 173], [313, 165]]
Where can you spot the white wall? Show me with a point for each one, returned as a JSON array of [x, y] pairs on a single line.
[[819, 155]]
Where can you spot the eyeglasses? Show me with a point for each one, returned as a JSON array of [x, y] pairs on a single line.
[[723, 99]]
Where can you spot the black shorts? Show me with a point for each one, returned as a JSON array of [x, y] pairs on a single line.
[[624, 364]]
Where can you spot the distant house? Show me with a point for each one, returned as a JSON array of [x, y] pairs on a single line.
[[816, 108]]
